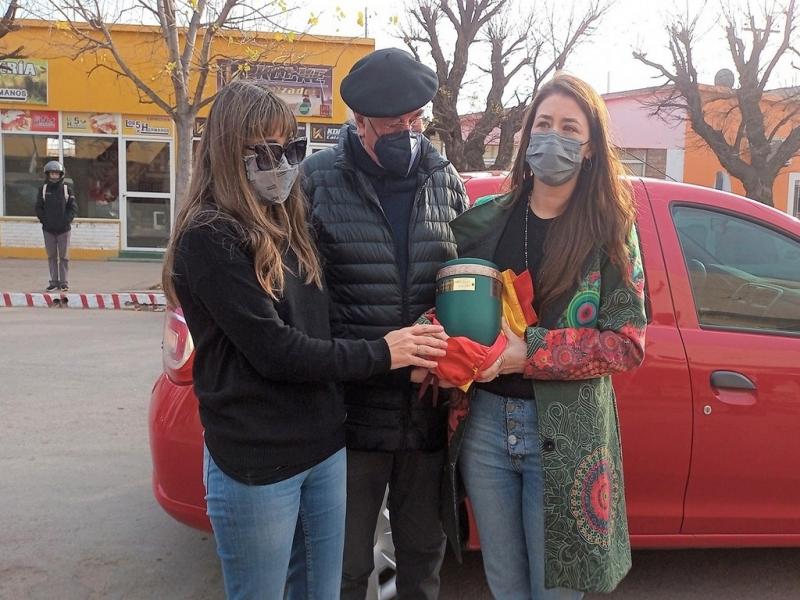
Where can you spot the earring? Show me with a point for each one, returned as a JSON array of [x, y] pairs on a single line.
[[587, 163]]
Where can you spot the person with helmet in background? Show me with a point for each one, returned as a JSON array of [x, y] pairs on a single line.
[[56, 208]]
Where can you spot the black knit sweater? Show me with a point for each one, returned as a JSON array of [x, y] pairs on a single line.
[[264, 370]]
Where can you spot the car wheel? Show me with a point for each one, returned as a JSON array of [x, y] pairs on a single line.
[[383, 581]]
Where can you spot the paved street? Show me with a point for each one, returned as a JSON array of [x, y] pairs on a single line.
[[78, 520], [28, 275]]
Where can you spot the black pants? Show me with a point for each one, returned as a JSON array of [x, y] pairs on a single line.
[[414, 479]]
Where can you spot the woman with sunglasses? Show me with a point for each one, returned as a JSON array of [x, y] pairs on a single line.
[[243, 267], [539, 451]]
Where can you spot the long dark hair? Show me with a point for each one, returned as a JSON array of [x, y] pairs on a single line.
[[243, 111], [600, 212]]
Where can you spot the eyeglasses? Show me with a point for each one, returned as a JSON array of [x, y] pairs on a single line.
[[394, 126], [269, 155]]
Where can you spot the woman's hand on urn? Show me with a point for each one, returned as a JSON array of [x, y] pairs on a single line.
[[417, 346], [492, 372], [516, 353], [511, 361]]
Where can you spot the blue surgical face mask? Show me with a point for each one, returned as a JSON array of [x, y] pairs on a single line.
[[553, 158]]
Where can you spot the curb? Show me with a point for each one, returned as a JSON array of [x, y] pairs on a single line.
[[102, 301]]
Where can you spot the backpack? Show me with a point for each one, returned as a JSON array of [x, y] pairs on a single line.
[[66, 193]]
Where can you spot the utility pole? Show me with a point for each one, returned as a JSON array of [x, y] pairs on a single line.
[[366, 22]]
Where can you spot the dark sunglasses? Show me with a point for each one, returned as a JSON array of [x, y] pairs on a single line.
[[269, 155]]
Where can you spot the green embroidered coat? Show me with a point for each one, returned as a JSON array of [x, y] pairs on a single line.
[[598, 330]]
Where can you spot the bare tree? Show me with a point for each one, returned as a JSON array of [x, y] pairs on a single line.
[[185, 32], [506, 42], [547, 53], [7, 25], [466, 18], [752, 131], [527, 48]]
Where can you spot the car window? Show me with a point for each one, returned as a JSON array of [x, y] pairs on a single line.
[[743, 275]]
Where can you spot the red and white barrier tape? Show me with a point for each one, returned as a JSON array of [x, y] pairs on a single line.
[[104, 301]]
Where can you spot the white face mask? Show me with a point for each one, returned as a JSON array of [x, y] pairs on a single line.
[[274, 185]]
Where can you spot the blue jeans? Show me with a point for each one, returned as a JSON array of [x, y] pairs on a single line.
[[501, 465], [281, 540]]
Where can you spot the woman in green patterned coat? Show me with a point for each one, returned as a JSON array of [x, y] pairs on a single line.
[[537, 439]]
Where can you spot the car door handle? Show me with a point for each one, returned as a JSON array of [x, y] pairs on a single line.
[[730, 380]]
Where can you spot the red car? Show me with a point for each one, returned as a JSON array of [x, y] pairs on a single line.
[[710, 421]]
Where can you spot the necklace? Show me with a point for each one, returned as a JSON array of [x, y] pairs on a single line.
[[527, 217]]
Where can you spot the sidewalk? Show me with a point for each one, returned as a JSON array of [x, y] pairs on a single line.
[[93, 284]]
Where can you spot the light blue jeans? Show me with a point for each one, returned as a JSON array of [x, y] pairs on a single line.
[[501, 465], [281, 540]]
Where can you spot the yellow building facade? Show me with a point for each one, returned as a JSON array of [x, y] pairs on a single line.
[[119, 149]]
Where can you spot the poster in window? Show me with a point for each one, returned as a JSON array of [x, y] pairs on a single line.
[[147, 125], [307, 89], [23, 80], [23, 121], [97, 123]]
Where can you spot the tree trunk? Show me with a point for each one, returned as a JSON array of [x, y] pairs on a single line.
[[450, 134], [455, 152], [447, 124], [184, 126], [475, 144], [759, 189], [508, 130], [474, 149]]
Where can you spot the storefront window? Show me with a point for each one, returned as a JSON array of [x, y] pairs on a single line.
[[24, 157], [92, 163], [148, 222], [147, 165]]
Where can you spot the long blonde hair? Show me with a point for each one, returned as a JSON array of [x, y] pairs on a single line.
[[219, 191], [601, 210]]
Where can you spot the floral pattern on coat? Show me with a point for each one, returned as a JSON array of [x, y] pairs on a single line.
[[597, 331]]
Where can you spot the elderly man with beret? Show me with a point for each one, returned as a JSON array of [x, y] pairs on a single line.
[[381, 203]]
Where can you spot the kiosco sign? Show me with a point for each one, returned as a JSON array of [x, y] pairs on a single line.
[[307, 89], [23, 80]]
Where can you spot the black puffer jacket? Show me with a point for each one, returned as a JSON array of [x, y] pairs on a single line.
[[368, 299]]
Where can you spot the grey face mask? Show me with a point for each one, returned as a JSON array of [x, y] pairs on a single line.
[[272, 186], [553, 158]]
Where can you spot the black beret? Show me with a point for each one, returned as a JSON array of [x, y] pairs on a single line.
[[388, 83]]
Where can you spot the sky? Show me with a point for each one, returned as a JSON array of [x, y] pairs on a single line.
[[605, 60]]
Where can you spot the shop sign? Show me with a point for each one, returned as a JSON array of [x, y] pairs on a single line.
[[153, 125], [23, 80], [13, 120], [100, 123], [307, 89], [324, 133]]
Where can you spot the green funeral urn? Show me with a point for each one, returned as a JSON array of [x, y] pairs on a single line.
[[469, 299]]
